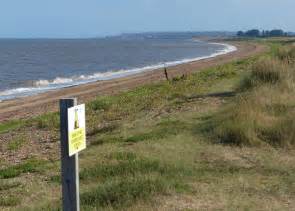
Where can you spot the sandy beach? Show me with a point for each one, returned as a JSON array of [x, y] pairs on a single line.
[[34, 105]]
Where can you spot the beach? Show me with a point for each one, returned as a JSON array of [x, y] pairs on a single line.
[[158, 145], [147, 105], [41, 103]]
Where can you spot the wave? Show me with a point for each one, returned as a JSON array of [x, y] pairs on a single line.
[[41, 86]]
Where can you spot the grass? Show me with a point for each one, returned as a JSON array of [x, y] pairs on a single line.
[[11, 125], [8, 185], [262, 113], [124, 192], [162, 130], [286, 54], [127, 178], [16, 143], [266, 71], [30, 166], [49, 121], [157, 147], [128, 164], [9, 201]]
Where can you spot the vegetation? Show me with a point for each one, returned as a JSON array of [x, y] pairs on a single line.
[[30, 166], [10, 126], [263, 113], [264, 33], [16, 143], [219, 139]]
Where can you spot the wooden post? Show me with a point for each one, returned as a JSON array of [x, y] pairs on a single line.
[[166, 73], [69, 165]]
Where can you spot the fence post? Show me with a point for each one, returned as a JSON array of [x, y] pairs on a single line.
[[166, 72], [69, 165]]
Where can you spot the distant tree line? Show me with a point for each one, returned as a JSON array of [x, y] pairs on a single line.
[[264, 33]]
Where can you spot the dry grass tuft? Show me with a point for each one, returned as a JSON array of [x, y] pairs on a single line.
[[263, 113]]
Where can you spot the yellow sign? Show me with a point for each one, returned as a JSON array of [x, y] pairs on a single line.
[[76, 129]]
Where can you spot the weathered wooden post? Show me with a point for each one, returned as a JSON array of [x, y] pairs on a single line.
[[166, 73], [73, 140]]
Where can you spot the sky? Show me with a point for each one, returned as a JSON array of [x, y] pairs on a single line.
[[92, 18]]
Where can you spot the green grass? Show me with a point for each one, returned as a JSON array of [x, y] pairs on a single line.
[[162, 130], [11, 125], [30, 166], [128, 164], [129, 180], [120, 193], [47, 121]]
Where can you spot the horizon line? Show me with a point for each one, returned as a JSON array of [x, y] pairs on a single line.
[[127, 33]]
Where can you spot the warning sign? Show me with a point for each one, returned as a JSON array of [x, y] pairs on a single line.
[[77, 129]]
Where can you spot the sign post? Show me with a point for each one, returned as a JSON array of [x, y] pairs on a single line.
[[73, 140]]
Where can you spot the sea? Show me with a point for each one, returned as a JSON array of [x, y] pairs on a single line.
[[32, 66]]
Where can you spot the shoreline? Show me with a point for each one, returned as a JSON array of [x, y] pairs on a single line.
[[30, 106], [45, 85]]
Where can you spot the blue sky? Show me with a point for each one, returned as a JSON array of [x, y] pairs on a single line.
[[88, 18]]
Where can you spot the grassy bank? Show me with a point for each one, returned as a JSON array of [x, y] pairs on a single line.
[[263, 110], [222, 138]]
